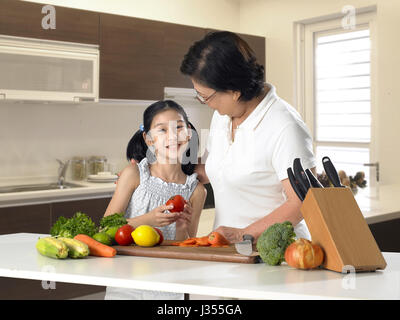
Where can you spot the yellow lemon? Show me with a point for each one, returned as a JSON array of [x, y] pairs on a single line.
[[145, 236]]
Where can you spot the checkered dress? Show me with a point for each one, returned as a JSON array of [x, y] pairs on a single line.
[[151, 193]]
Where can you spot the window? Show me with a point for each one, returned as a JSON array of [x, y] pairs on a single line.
[[337, 97], [342, 108]]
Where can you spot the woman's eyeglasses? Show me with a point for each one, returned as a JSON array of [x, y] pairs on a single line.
[[204, 100]]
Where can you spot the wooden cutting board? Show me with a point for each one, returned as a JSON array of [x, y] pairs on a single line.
[[227, 254]]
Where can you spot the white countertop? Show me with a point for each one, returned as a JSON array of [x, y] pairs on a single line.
[[380, 203], [19, 259], [89, 190]]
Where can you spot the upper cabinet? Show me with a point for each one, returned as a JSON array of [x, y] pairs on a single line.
[[130, 65], [24, 19], [140, 57], [177, 41]]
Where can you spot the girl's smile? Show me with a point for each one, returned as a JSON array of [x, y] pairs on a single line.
[[169, 136]]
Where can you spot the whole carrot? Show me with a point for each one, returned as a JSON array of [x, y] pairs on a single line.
[[96, 248]]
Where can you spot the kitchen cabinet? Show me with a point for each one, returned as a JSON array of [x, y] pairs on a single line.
[[130, 64], [177, 41], [386, 234], [25, 219], [24, 19], [39, 219], [140, 57]]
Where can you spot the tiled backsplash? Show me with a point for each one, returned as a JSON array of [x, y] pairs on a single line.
[[34, 135]]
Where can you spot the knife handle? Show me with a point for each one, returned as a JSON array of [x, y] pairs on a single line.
[[331, 172], [301, 176], [313, 180], [294, 184], [248, 237]]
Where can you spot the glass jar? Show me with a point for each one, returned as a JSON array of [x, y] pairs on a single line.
[[78, 168], [97, 164]]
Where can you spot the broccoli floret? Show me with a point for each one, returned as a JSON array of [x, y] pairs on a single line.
[[273, 242]]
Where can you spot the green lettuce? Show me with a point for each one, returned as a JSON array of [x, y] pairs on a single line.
[[80, 223]]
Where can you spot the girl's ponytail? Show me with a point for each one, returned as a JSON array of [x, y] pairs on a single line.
[[189, 159], [137, 148]]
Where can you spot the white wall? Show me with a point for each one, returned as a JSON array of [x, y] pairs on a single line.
[[274, 19], [33, 136]]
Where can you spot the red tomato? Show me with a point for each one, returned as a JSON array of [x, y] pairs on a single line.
[[123, 235], [178, 202], [161, 235]]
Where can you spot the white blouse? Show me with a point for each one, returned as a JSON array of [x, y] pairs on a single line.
[[246, 174]]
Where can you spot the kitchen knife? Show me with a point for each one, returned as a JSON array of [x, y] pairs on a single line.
[[245, 247], [331, 172], [301, 176], [313, 180], [295, 184]]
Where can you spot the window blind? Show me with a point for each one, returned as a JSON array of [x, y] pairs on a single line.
[[343, 99], [342, 83]]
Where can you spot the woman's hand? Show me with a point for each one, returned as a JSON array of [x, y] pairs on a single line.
[[159, 218], [231, 234]]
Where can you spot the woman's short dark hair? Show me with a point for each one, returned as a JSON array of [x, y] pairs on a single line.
[[224, 61], [137, 148]]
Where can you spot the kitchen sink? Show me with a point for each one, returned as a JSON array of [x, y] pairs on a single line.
[[38, 187]]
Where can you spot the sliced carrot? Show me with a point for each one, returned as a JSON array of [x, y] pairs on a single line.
[[203, 241], [217, 238], [96, 248], [190, 241]]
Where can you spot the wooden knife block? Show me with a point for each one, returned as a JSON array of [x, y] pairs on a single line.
[[336, 224]]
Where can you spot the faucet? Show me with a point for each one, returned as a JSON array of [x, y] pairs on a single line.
[[61, 172]]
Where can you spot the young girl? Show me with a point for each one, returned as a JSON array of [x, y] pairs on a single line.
[[165, 149]]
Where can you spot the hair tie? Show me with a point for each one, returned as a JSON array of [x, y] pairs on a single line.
[[141, 127]]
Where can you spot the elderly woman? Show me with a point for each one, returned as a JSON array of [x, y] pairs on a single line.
[[254, 137]]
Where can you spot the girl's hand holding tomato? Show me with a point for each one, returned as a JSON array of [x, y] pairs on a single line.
[[159, 218], [178, 202], [184, 219]]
